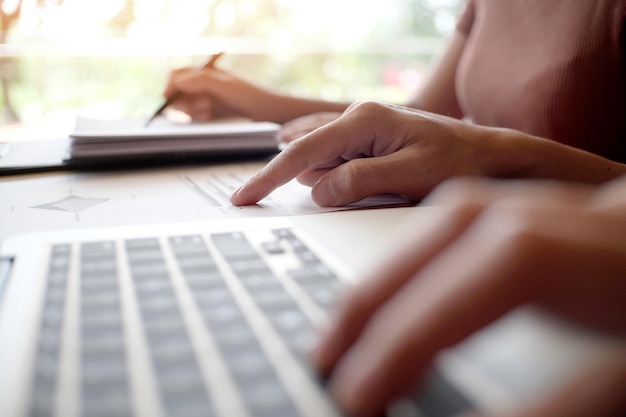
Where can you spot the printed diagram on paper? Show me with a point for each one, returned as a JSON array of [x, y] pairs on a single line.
[[72, 200]]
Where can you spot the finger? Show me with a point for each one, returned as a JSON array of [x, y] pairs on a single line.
[[204, 81], [467, 285], [174, 75], [465, 199], [364, 177], [290, 133], [311, 176], [318, 148], [599, 391], [386, 279], [299, 127], [504, 259], [280, 170], [200, 108]]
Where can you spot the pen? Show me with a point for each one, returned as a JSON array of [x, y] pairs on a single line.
[[172, 97]]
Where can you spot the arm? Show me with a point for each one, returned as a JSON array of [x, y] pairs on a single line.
[[212, 93], [438, 95]]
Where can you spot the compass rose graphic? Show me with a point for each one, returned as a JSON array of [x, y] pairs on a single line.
[[72, 204]]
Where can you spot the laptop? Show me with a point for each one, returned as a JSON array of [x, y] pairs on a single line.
[[188, 319]]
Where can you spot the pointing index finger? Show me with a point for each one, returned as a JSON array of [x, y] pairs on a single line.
[[317, 148], [277, 172]]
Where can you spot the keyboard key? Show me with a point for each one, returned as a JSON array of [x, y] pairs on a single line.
[[234, 246], [199, 281], [273, 247], [235, 335], [144, 257], [102, 362], [312, 273], [187, 246], [197, 264], [268, 399], [325, 296], [180, 384], [157, 268]]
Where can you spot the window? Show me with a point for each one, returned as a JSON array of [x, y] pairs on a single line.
[[63, 58]]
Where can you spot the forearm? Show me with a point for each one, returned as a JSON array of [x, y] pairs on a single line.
[[289, 107], [514, 154]]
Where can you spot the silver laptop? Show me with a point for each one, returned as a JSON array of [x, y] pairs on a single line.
[[189, 320]]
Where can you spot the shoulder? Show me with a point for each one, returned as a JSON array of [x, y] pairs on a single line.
[[466, 20]]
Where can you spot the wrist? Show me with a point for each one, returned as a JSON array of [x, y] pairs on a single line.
[[514, 154]]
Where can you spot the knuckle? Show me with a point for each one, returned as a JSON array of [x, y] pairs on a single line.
[[366, 108]]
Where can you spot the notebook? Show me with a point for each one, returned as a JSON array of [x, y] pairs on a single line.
[[127, 138], [107, 144], [190, 319]]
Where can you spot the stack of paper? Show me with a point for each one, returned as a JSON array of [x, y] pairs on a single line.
[[97, 144], [131, 138]]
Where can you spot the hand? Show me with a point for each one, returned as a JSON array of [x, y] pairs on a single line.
[[299, 127], [211, 93], [373, 149], [498, 246]]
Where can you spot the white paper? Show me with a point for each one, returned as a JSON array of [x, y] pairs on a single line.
[[129, 128], [93, 138], [45, 153], [76, 200]]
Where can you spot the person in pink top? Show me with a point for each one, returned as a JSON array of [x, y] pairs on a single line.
[[526, 89]]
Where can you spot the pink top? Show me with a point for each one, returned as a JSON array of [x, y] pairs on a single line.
[[551, 68]]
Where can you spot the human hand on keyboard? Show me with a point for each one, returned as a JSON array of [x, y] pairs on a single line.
[[499, 246]]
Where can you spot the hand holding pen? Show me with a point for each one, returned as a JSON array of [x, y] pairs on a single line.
[[176, 94]]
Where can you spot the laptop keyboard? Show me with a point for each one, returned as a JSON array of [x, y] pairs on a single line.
[[187, 295]]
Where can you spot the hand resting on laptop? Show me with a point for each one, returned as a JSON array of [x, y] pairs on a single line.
[[376, 148], [499, 246]]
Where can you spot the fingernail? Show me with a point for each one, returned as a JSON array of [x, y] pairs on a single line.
[[324, 192]]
